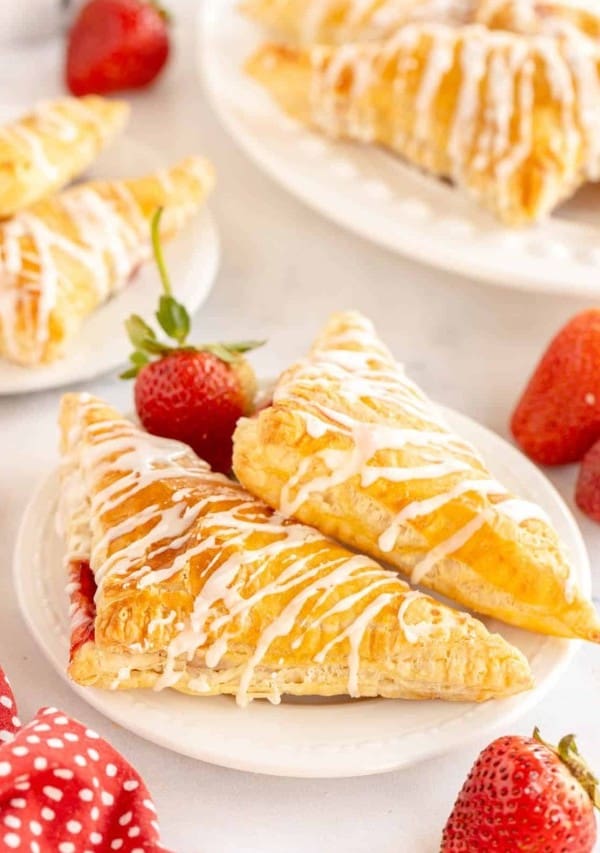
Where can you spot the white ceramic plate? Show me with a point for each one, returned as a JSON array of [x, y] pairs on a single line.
[[375, 195], [102, 345], [311, 738]]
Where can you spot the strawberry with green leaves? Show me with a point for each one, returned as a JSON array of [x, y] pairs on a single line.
[[192, 393], [525, 796]]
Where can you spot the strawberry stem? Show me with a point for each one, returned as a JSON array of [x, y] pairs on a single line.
[[174, 320], [569, 755], [158, 252]]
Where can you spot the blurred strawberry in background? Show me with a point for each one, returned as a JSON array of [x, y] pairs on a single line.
[[115, 45], [587, 493], [557, 419]]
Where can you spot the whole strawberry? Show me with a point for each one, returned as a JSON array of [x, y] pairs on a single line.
[[558, 417], [525, 795], [115, 45], [587, 493], [195, 394]]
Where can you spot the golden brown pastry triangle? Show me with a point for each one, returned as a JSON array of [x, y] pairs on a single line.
[[354, 448], [179, 578], [43, 151], [66, 255], [512, 119]]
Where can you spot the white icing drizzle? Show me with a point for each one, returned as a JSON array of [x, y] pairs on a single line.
[[440, 62], [415, 632], [473, 59], [123, 674], [78, 615], [64, 120], [202, 518], [354, 633], [112, 240], [417, 509], [332, 21], [558, 18], [53, 119], [108, 246], [447, 547], [32, 141], [155, 623], [103, 229], [366, 20], [502, 76], [335, 392], [519, 510]]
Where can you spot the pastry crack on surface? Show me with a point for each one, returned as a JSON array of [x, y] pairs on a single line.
[[180, 578]]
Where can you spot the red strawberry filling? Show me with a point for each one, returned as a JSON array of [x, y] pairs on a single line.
[[82, 589]]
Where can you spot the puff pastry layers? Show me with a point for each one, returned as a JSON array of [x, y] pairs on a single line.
[[64, 256], [200, 587], [354, 448], [514, 120], [46, 149]]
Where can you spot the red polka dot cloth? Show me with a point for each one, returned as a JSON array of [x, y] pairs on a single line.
[[63, 789]]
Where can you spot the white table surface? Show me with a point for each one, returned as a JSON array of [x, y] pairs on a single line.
[[284, 269]]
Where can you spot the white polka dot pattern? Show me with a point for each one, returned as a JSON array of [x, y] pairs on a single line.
[[63, 788]]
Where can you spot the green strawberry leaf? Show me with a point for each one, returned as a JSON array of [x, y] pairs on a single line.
[[568, 753], [154, 347], [174, 321], [173, 318], [230, 352], [139, 359], [138, 331], [244, 346], [221, 351], [130, 373]]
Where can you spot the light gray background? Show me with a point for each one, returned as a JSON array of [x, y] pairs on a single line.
[[284, 269]]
